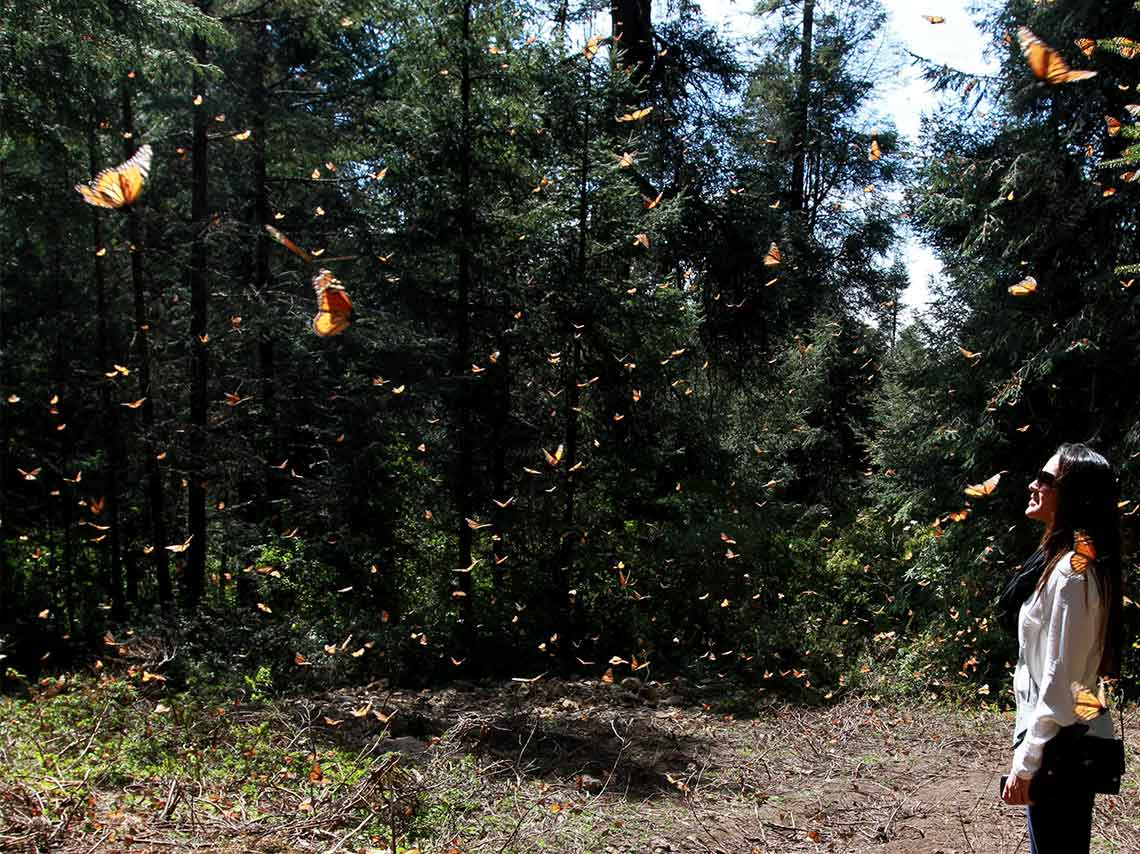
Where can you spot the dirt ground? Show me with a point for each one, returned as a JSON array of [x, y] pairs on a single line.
[[676, 777], [586, 768]]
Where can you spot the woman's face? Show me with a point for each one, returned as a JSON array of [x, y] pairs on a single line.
[[1043, 494]]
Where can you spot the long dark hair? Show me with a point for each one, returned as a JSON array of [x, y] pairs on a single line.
[[1087, 492]]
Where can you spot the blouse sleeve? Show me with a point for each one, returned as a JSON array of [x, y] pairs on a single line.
[[1069, 639]]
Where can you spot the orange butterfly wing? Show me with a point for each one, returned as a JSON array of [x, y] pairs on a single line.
[[288, 244], [1047, 64], [1025, 287], [773, 257], [985, 488], [1084, 552], [119, 187], [1087, 705], [103, 192], [333, 305]]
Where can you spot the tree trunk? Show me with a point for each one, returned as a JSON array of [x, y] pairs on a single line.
[[800, 127], [267, 340], [6, 586], [633, 36], [195, 573], [569, 460], [111, 436], [260, 185], [572, 392], [462, 361], [155, 498], [499, 515]]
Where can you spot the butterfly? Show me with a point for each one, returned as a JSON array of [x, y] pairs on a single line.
[[333, 305], [1084, 552], [935, 19], [1114, 125], [636, 115], [1086, 704], [876, 151], [1046, 63], [984, 489], [969, 354], [119, 187], [1127, 48], [773, 256], [311, 257], [1025, 287], [1087, 46], [289, 244]]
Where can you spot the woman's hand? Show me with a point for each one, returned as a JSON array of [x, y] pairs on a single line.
[[1016, 791]]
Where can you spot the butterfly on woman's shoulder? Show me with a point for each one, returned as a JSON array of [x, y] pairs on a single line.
[[1088, 705], [121, 186], [1084, 552], [333, 305]]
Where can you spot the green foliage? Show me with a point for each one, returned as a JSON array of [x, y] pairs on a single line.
[[1010, 197], [576, 417]]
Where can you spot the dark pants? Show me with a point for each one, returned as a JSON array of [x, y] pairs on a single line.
[[1061, 826]]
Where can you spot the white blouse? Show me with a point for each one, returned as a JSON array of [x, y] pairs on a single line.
[[1060, 639]]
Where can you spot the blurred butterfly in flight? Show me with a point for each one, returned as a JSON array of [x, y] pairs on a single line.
[[121, 186]]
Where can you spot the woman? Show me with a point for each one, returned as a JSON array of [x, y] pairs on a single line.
[[1069, 630]]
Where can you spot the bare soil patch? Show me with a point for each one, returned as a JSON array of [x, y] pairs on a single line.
[[581, 767]]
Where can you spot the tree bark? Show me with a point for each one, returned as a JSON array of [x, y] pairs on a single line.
[[803, 96], [633, 36], [463, 333], [155, 498], [266, 338], [195, 573], [572, 392], [6, 586], [113, 446], [500, 515]]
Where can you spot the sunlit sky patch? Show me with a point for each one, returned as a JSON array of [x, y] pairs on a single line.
[[957, 43]]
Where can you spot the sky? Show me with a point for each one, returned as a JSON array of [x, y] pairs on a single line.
[[957, 43]]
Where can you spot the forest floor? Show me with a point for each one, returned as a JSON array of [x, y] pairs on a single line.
[[553, 766]]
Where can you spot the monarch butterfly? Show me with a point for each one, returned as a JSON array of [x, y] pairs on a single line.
[[1025, 287], [119, 187], [635, 115], [1084, 552], [333, 305], [1046, 63], [773, 256], [876, 151], [1086, 704], [1127, 48], [984, 489], [289, 244], [1114, 125]]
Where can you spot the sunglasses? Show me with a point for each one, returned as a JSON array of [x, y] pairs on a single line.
[[1046, 479]]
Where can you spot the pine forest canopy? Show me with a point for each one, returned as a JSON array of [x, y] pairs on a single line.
[[445, 339]]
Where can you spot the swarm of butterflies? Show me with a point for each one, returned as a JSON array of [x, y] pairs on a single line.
[[119, 189]]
